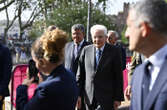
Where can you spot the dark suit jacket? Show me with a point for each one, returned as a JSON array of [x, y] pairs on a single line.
[[123, 54], [70, 62], [5, 70], [104, 83], [157, 97], [58, 92]]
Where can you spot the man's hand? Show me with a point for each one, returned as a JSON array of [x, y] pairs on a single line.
[[116, 104], [128, 92], [78, 105]]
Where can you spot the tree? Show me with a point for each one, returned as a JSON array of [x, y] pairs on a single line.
[[89, 21], [6, 5], [34, 6], [9, 23], [23, 5], [74, 12], [65, 17], [102, 3]]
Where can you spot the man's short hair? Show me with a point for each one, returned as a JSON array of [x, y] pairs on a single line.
[[98, 27], [153, 12], [115, 32], [78, 27]]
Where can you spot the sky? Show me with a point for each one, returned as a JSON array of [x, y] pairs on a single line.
[[113, 7]]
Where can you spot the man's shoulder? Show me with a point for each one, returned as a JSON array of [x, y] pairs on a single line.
[[86, 43], [87, 47], [111, 47], [4, 48], [138, 69], [69, 43]]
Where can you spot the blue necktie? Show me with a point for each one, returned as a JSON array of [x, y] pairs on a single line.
[[146, 81], [99, 53]]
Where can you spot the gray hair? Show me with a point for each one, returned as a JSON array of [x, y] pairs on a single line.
[[78, 27], [115, 32], [153, 12], [98, 27]]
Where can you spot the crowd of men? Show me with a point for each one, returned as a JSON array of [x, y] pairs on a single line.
[[98, 66]]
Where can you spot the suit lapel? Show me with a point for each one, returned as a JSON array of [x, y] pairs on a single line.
[[160, 81], [93, 57], [71, 49], [138, 86], [79, 52]]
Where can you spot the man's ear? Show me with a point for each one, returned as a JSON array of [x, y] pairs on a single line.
[[145, 28]]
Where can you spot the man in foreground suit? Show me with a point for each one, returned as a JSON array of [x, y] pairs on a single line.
[[147, 33], [73, 51], [99, 74], [5, 72]]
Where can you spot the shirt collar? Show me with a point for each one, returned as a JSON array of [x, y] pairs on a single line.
[[158, 57], [80, 43], [102, 48]]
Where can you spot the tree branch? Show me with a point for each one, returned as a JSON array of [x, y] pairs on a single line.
[[4, 7]]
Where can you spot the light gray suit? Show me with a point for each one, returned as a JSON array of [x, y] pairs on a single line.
[[71, 63], [157, 97]]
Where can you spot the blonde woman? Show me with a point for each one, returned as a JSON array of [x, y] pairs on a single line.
[[59, 90]]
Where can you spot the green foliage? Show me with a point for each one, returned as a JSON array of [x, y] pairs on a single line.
[[99, 17], [124, 40], [65, 17], [37, 30], [34, 34], [76, 12]]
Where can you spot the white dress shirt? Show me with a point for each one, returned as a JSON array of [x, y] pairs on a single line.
[[157, 59]]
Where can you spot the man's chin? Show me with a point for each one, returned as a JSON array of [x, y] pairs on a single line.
[[131, 48], [134, 49], [97, 46]]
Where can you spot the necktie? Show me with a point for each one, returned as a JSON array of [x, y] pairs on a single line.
[[146, 81], [76, 50], [99, 53]]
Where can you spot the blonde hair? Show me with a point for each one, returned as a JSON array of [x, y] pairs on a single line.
[[51, 45], [51, 28]]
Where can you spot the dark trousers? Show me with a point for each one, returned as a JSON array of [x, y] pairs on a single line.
[[94, 106], [97, 106], [82, 104]]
